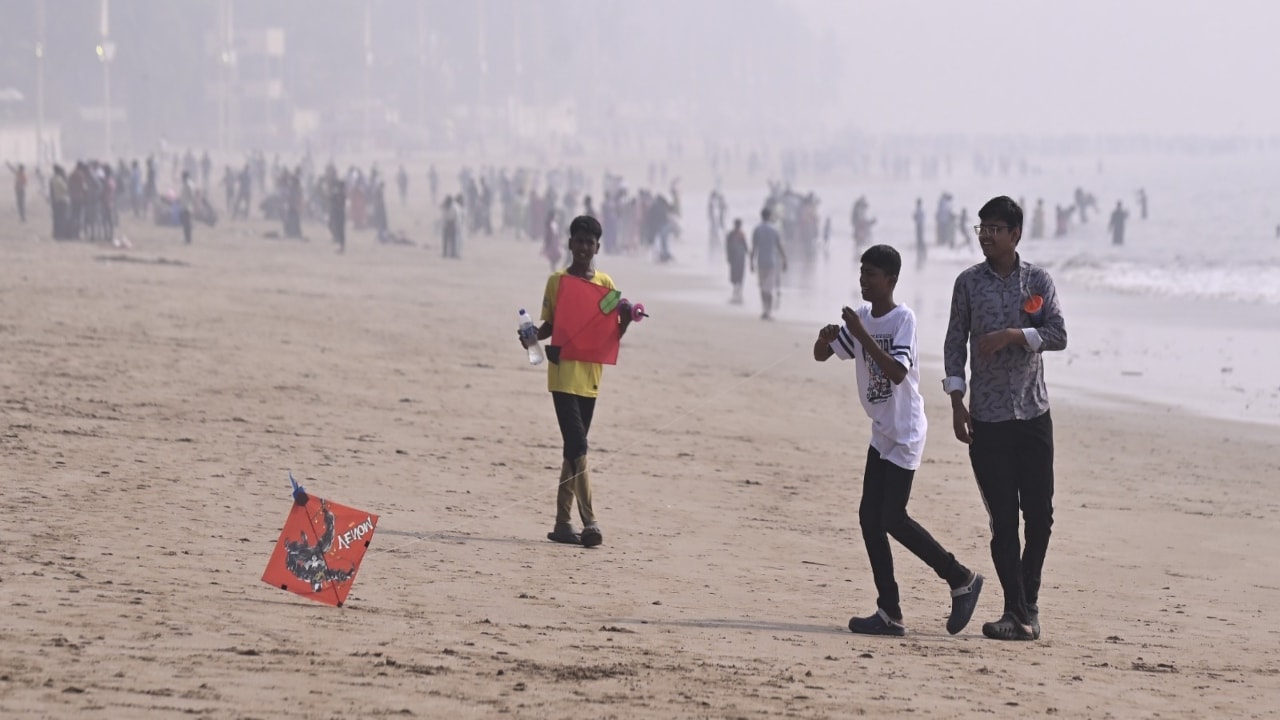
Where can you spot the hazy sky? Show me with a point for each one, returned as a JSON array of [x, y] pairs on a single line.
[[1158, 66]]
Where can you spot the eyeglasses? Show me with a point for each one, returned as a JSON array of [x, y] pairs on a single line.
[[989, 229]]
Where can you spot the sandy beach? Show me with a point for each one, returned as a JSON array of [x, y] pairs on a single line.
[[153, 401]]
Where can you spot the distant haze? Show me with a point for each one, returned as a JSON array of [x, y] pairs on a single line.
[[1052, 66], [639, 76]]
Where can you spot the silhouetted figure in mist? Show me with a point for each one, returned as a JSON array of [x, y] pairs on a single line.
[[206, 170], [963, 225], [1063, 220], [450, 226], [1116, 224], [862, 224], [922, 249], [338, 211], [402, 184], [244, 193], [1037, 220], [149, 194], [1085, 201], [1142, 203], [768, 261], [229, 189], [188, 200], [735, 247], [20, 189], [60, 199]]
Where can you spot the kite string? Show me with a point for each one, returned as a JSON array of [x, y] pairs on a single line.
[[675, 419]]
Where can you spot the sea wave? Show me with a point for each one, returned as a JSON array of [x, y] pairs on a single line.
[[1255, 282]]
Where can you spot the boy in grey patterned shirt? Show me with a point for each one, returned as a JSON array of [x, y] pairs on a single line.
[[1005, 312]]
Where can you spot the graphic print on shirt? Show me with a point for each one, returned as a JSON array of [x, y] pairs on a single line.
[[879, 387]]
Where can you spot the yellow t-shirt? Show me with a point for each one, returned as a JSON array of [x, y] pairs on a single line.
[[571, 376]]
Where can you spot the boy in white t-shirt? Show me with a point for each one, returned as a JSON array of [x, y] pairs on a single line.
[[881, 338]]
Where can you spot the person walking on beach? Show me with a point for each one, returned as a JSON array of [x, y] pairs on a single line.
[[402, 184], [337, 200], [574, 387], [551, 240], [881, 339], [188, 200], [1005, 313], [735, 248], [20, 189], [768, 260], [922, 249]]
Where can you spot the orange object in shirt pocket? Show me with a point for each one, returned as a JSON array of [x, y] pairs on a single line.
[[1033, 305]]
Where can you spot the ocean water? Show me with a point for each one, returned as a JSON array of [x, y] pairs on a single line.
[[1211, 230], [1185, 315]]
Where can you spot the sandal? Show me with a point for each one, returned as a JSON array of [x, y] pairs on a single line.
[[878, 624], [1007, 628], [964, 600]]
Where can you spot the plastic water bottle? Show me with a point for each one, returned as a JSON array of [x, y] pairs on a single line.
[[529, 332]]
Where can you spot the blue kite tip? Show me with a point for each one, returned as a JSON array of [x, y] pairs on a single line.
[[299, 493]]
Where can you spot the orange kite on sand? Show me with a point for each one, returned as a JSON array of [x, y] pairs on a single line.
[[320, 548]]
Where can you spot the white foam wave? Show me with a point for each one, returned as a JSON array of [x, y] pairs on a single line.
[[1257, 283]]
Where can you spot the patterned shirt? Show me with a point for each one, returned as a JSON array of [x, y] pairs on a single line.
[[1010, 384]]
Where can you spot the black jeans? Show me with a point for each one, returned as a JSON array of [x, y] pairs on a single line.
[[574, 412], [886, 487], [1013, 462]]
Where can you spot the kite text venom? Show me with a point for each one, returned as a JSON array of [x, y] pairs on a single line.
[[355, 533]]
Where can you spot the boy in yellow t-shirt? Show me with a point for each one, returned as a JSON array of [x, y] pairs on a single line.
[[574, 387]]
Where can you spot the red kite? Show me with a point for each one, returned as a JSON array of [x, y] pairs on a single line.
[[320, 548], [586, 321]]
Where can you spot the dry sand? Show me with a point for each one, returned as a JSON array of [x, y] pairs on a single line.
[[150, 411]]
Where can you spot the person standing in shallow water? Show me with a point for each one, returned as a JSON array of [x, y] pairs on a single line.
[[1004, 315], [1116, 224]]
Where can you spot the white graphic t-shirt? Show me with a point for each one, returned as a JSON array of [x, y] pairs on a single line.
[[898, 424]]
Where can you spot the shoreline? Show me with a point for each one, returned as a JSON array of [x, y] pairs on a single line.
[[1121, 347]]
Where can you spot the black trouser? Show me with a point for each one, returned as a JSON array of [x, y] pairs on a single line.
[[185, 217], [574, 412], [1013, 462], [886, 487], [22, 203]]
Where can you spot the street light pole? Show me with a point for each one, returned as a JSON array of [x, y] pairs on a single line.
[[422, 65], [105, 52], [40, 83], [368, 63]]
